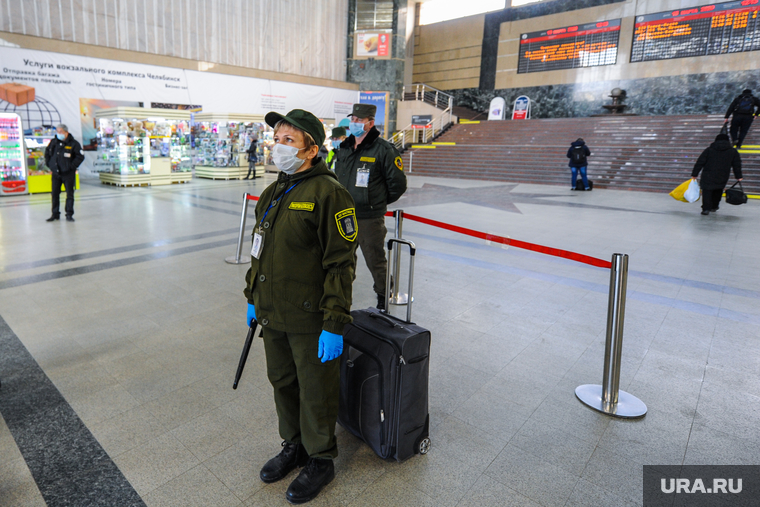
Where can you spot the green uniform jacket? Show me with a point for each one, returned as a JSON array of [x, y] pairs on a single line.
[[387, 181], [301, 282]]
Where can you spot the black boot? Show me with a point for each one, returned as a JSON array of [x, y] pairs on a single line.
[[317, 474], [381, 301], [291, 457], [53, 218]]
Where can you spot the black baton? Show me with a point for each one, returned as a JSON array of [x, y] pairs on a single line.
[[246, 350]]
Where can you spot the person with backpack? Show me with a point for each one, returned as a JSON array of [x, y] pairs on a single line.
[[744, 108], [252, 157], [578, 153]]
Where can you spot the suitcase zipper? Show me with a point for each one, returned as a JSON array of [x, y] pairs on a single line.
[[376, 335]]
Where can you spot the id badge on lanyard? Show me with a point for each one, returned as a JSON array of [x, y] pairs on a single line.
[[362, 176], [258, 242]]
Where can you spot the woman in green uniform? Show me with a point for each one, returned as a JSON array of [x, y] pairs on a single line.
[[303, 257]]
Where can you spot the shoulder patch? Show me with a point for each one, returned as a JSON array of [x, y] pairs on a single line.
[[367, 159], [399, 163], [302, 206], [347, 226]]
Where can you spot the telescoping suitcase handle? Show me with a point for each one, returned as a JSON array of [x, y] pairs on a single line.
[[388, 295]]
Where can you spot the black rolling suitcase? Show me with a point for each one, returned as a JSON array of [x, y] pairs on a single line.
[[384, 379]]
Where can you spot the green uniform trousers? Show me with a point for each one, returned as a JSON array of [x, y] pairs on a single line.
[[306, 391], [371, 239]]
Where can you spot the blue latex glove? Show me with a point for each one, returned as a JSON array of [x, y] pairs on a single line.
[[330, 346], [251, 314]]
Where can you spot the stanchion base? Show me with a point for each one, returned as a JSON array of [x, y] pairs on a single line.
[[400, 299], [627, 407], [244, 259]]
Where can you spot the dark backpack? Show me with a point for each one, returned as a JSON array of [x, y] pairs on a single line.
[[746, 105], [579, 155]]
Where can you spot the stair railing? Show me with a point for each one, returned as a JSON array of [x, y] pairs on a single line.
[[421, 133], [429, 95]]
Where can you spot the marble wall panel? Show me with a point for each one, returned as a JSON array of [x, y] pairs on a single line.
[[707, 93]]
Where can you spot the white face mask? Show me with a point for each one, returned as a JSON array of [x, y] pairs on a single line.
[[286, 158]]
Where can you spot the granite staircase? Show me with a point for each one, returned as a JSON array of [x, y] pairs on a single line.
[[647, 153]]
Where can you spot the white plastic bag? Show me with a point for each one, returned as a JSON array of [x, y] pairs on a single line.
[[692, 193]]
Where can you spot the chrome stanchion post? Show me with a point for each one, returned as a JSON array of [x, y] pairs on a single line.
[[239, 258], [396, 298], [608, 398]]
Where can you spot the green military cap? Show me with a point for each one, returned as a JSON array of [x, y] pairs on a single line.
[[301, 119], [338, 132], [363, 110]]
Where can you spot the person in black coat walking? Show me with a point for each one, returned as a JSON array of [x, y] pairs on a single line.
[[716, 163], [744, 108], [577, 154], [63, 156]]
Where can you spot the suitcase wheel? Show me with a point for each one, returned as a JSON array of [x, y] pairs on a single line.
[[424, 446]]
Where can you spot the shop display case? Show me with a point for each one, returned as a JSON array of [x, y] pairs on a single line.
[[221, 142], [40, 177], [142, 146], [12, 157]]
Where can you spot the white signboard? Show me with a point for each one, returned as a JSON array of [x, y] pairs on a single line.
[[496, 110], [521, 109], [61, 80]]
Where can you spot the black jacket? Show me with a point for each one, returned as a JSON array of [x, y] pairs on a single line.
[[586, 151], [63, 157], [387, 181], [735, 104], [717, 162]]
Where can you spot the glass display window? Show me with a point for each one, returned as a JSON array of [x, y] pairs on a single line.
[[129, 137], [36, 142], [13, 173], [123, 147], [223, 140]]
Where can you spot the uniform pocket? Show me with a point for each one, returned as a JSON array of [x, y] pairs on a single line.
[[305, 297]]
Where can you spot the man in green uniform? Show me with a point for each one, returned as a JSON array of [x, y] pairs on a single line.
[[337, 136], [303, 258], [372, 171]]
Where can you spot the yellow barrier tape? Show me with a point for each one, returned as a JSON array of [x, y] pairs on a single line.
[[423, 146], [468, 122], [749, 196], [444, 144]]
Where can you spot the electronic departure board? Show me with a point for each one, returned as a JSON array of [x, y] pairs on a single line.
[[571, 47], [728, 27]]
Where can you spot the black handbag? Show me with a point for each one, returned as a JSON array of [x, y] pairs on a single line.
[[736, 196]]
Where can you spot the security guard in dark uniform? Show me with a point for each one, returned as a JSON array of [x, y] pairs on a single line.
[[303, 258], [372, 171], [337, 136], [63, 156]]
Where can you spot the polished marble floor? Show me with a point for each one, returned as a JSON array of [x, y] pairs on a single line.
[[120, 334]]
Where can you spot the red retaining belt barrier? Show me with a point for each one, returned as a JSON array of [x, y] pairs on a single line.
[[556, 252], [565, 254]]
